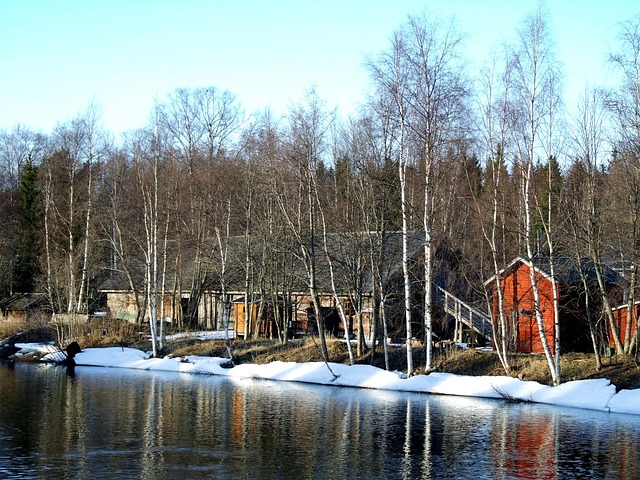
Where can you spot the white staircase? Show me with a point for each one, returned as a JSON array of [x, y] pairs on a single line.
[[464, 314]]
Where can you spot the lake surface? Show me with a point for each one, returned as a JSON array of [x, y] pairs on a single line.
[[116, 423]]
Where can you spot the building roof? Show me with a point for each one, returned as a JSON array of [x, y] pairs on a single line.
[[567, 270], [625, 305], [23, 301], [348, 253]]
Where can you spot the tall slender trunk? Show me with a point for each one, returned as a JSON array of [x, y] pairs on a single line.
[[336, 298], [375, 249], [428, 248], [47, 234], [502, 333], [606, 306], [311, 263], [85, 256], [356, 300], [553, 369], [317, 307], [154, 239], [428, 295], [402, 170], [385, 333], [556, 313], [71, 289], [552, 268], [590, 322], [375, 319], [163, 282], [628, 337], [248, 306], [222, 248], [150, 220]]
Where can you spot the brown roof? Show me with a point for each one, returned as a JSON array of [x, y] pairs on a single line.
[[344, 250], [21, 302]]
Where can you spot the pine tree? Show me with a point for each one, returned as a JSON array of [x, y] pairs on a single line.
[[26, 246]]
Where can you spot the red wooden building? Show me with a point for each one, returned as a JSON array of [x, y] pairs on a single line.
[[620, 316], [515, 281]]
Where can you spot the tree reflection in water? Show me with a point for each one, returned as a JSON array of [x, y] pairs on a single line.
[[110, 423]]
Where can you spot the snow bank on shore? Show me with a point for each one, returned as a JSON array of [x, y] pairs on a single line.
[[598, 394]]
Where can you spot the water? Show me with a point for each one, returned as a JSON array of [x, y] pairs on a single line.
[[115, 423]]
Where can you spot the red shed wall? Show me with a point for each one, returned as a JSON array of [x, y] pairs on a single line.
[[519, 308], [620, 316]]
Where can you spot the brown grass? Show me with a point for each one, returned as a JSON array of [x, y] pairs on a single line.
[[97, 333], [261, 350], [25, 333], [623, 372]]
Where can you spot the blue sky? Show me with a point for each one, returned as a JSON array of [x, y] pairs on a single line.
[[57, 56]]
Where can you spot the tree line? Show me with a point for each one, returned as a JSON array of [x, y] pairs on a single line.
[[488, 160]]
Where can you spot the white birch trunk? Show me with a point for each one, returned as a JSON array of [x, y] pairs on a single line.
[[405, 255], [501, 334], [336, 298], [428, 264], [47, 234], [222, 248], [85, 255], [71, 289], [532, 276]]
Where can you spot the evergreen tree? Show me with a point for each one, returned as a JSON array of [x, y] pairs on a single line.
[[26, 245]]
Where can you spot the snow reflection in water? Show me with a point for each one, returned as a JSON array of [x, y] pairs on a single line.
[[113, 423]]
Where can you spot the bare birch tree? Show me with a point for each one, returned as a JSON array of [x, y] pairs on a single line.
[[588, 138], [494, 117], [534, 77], [308, 126], [437, 99], [69, 190], [149, 157], [390, 75], [95, 146], [223, 249], [624, 103]]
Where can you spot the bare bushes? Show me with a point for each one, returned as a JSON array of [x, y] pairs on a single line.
[[107, 331], [64, 329]]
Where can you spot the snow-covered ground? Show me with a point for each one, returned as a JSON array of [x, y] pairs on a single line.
[[598, 394], [207, 335]]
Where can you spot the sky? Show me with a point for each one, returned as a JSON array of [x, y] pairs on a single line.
[[57, 57]]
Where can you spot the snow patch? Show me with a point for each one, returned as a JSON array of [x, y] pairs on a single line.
[[598, 394]]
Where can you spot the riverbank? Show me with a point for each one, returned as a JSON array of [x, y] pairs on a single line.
[[623, 372], [595, 394], [469, 372]]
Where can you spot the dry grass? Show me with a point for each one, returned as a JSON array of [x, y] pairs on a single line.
[[622, 371], [26, 333], [261, 350], [108, 332], [97, 333]]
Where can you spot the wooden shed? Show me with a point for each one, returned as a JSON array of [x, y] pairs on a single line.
[[22, 307], [264, 312], [202, 304], [515, 281], [620, 316]]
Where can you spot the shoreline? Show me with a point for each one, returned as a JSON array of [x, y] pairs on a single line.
[[593, 394]]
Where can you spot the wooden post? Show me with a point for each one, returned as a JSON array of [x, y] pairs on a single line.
[[458, 336]]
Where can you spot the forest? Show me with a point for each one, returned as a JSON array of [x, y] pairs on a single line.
[[486, 161]]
